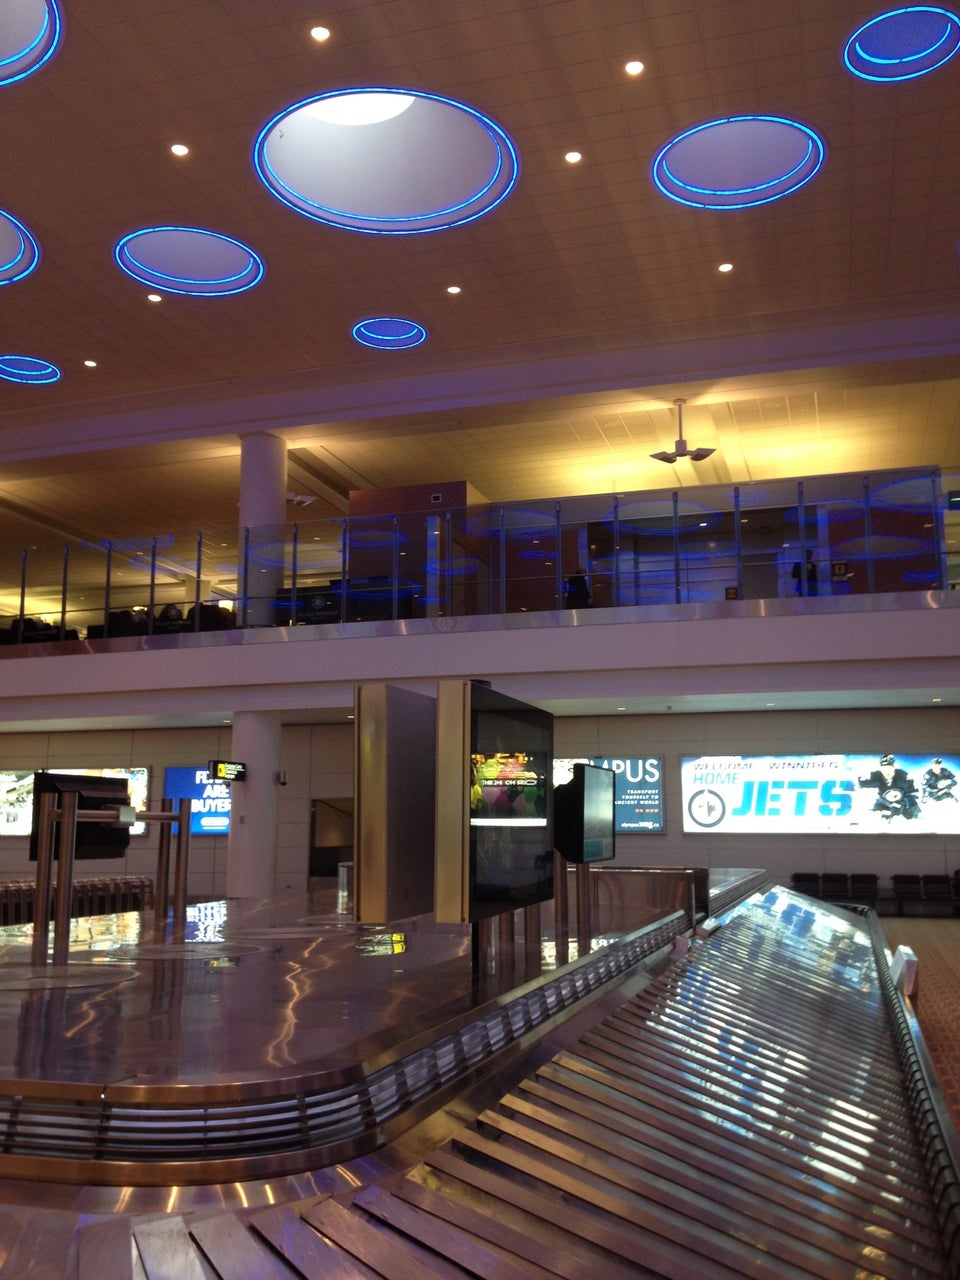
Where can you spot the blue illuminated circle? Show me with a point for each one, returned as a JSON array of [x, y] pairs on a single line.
[[738, 162], [27, 369], [189, 260], [19, 252], [389, 333], [29, 35], [903, 43], [386, 161]]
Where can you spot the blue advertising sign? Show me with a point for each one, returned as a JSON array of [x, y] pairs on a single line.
[[638, 790], [209, 799], [903, 795]]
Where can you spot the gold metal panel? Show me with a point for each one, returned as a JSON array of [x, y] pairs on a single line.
[[452, 853]]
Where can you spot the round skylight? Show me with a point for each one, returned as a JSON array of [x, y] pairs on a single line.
[[389, 333], [738, 162], [903, 43], [19, 252], [27, 369], [386, 161], [29, 35], [189, 260]]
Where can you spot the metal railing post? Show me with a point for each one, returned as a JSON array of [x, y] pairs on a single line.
[[294, 553], [42, 895], [151, 607], [63, 591], [161, 892], [63, 899], [868, 535], [181, 868], [676, 547]]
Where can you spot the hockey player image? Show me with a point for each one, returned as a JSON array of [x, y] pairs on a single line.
[[939, 782], [896, 792]]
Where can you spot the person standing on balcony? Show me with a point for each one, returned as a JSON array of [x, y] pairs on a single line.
[[578, 590]]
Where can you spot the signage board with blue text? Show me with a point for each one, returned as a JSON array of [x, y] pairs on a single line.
[[901, 795], [209, 799]]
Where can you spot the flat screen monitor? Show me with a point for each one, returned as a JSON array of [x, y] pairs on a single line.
[[583, 815], [511, 803], [94, 839]]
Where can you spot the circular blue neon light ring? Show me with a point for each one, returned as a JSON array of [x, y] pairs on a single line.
[[741, 191], [903, 44], [184, 249], [389, 333], [28, 369], [295, 199], [20, 245], [369, 177], [783, 156], [32, 28]]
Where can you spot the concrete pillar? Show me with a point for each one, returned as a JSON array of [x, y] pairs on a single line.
[[252, 844], [263, 510]]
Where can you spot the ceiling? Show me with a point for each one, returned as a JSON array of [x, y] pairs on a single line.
[[589, 301]]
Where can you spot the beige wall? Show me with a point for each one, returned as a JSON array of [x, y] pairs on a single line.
[[935, 730], [317, 761]]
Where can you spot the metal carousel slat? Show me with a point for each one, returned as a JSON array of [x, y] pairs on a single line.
[[506, 1228], [234, 1251], [702, 1137]]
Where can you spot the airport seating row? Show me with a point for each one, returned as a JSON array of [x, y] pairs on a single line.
[[903, 894], [92, 896]]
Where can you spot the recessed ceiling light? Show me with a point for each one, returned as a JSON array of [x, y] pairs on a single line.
[[90, 364], [573, 157], [725, 267], [320, 34], [633, 68], [621, 708], [936, 699], [154, 297], [179, 149], [453, 288]]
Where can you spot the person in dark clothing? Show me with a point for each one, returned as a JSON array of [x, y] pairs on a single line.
[[896, 792], [578, 591], [806, 570]]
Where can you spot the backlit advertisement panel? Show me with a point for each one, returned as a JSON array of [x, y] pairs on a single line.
[[638, 790], [16, 796], [808, 795], [209, 799]]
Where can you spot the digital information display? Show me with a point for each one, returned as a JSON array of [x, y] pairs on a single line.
[[638, 792], [16, 796], [808, 795], [228, 771], [209, 799]]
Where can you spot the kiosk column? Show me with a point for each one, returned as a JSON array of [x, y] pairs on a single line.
[[252, 843], [263, 512]]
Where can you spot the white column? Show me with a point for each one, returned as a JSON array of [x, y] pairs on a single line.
[[263, 510], [252, 844]]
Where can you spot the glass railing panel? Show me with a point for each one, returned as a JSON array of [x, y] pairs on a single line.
[[461, 576], [857, 533], [313, 562]]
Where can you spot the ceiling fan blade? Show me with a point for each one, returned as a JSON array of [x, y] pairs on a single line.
[[664, 457]]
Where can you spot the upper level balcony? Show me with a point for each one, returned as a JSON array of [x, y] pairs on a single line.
[[853, 535]]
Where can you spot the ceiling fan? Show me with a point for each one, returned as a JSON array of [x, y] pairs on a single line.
[[680, 449]]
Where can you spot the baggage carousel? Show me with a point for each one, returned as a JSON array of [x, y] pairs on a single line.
[[283, 1093]]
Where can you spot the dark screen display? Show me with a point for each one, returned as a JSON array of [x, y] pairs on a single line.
[[511, 803], [584, 815], [94, 839]]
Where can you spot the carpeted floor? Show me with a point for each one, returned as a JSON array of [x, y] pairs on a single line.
[[936, 944]]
